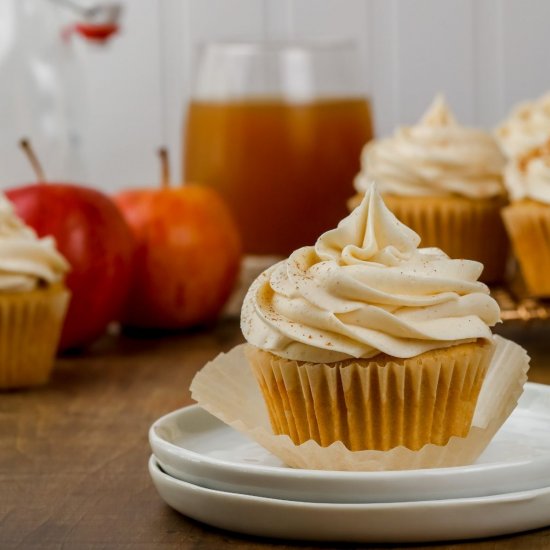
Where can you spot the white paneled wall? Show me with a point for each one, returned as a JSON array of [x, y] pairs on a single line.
[[485, 55], [124, 106], [524, 48]]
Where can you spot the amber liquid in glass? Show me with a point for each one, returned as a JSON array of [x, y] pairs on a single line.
[[285, 170]]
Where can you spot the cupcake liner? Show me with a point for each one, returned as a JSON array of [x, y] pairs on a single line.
[[370, 404], [463, 228], [226, 387], [528, 225], [30, 326]]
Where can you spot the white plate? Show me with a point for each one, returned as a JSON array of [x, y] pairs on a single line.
[[194, 446], [418, 521]]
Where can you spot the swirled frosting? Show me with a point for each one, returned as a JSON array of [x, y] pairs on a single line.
[[26, 261], [528, 126], [528, 176], [437, 157], [366, 288]]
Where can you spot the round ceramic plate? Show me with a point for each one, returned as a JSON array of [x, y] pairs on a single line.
[[192, 445], [418, 521]]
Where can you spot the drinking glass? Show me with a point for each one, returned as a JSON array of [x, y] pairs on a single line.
[[277, 129]]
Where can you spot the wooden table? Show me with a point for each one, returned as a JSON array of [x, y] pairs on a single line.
[[73, 455]]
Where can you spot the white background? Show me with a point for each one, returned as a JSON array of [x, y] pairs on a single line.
[[485, 55]]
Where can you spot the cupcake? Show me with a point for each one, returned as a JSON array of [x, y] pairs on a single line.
[[527, 127], [33, 302], [445, 182], [527, 219], [367, 339]]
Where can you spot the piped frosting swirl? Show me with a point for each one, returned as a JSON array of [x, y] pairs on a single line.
[[26, 261], [366, 288], [527, 127], [437, 157], [528, 176]]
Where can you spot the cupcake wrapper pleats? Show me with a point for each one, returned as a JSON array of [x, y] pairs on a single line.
[[30, 327], [369, 405], [528, 225], [463, 228]]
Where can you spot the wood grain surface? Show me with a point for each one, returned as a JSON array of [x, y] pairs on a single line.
[[73, 455]]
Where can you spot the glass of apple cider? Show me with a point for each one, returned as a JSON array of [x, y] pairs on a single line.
[[277, 129]]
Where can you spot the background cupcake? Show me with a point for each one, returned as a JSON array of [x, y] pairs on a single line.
[[366, 339], [527, 127], [33, 302], [524, 137], [527, 219], [445, 182]]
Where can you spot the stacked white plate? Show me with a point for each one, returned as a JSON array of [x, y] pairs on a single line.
[[211, 473]]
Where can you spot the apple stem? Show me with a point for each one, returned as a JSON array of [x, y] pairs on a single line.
[[36, 166], [165, 167]]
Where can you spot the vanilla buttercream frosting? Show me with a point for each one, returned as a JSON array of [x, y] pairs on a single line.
[[366, 288], [527, 126], [436, 157], [26, 261], [528, 176]]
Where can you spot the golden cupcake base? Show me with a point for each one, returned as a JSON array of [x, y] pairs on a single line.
[[30, 327], [528, 224], [374, 404]]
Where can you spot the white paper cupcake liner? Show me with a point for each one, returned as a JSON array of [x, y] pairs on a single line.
[[227, 389]]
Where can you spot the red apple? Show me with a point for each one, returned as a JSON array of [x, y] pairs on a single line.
[[95, 239], [188, 254]]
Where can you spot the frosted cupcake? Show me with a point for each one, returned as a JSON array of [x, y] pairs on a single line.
[[445, 182], [33, 302], [527, 219], [367, 339]]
